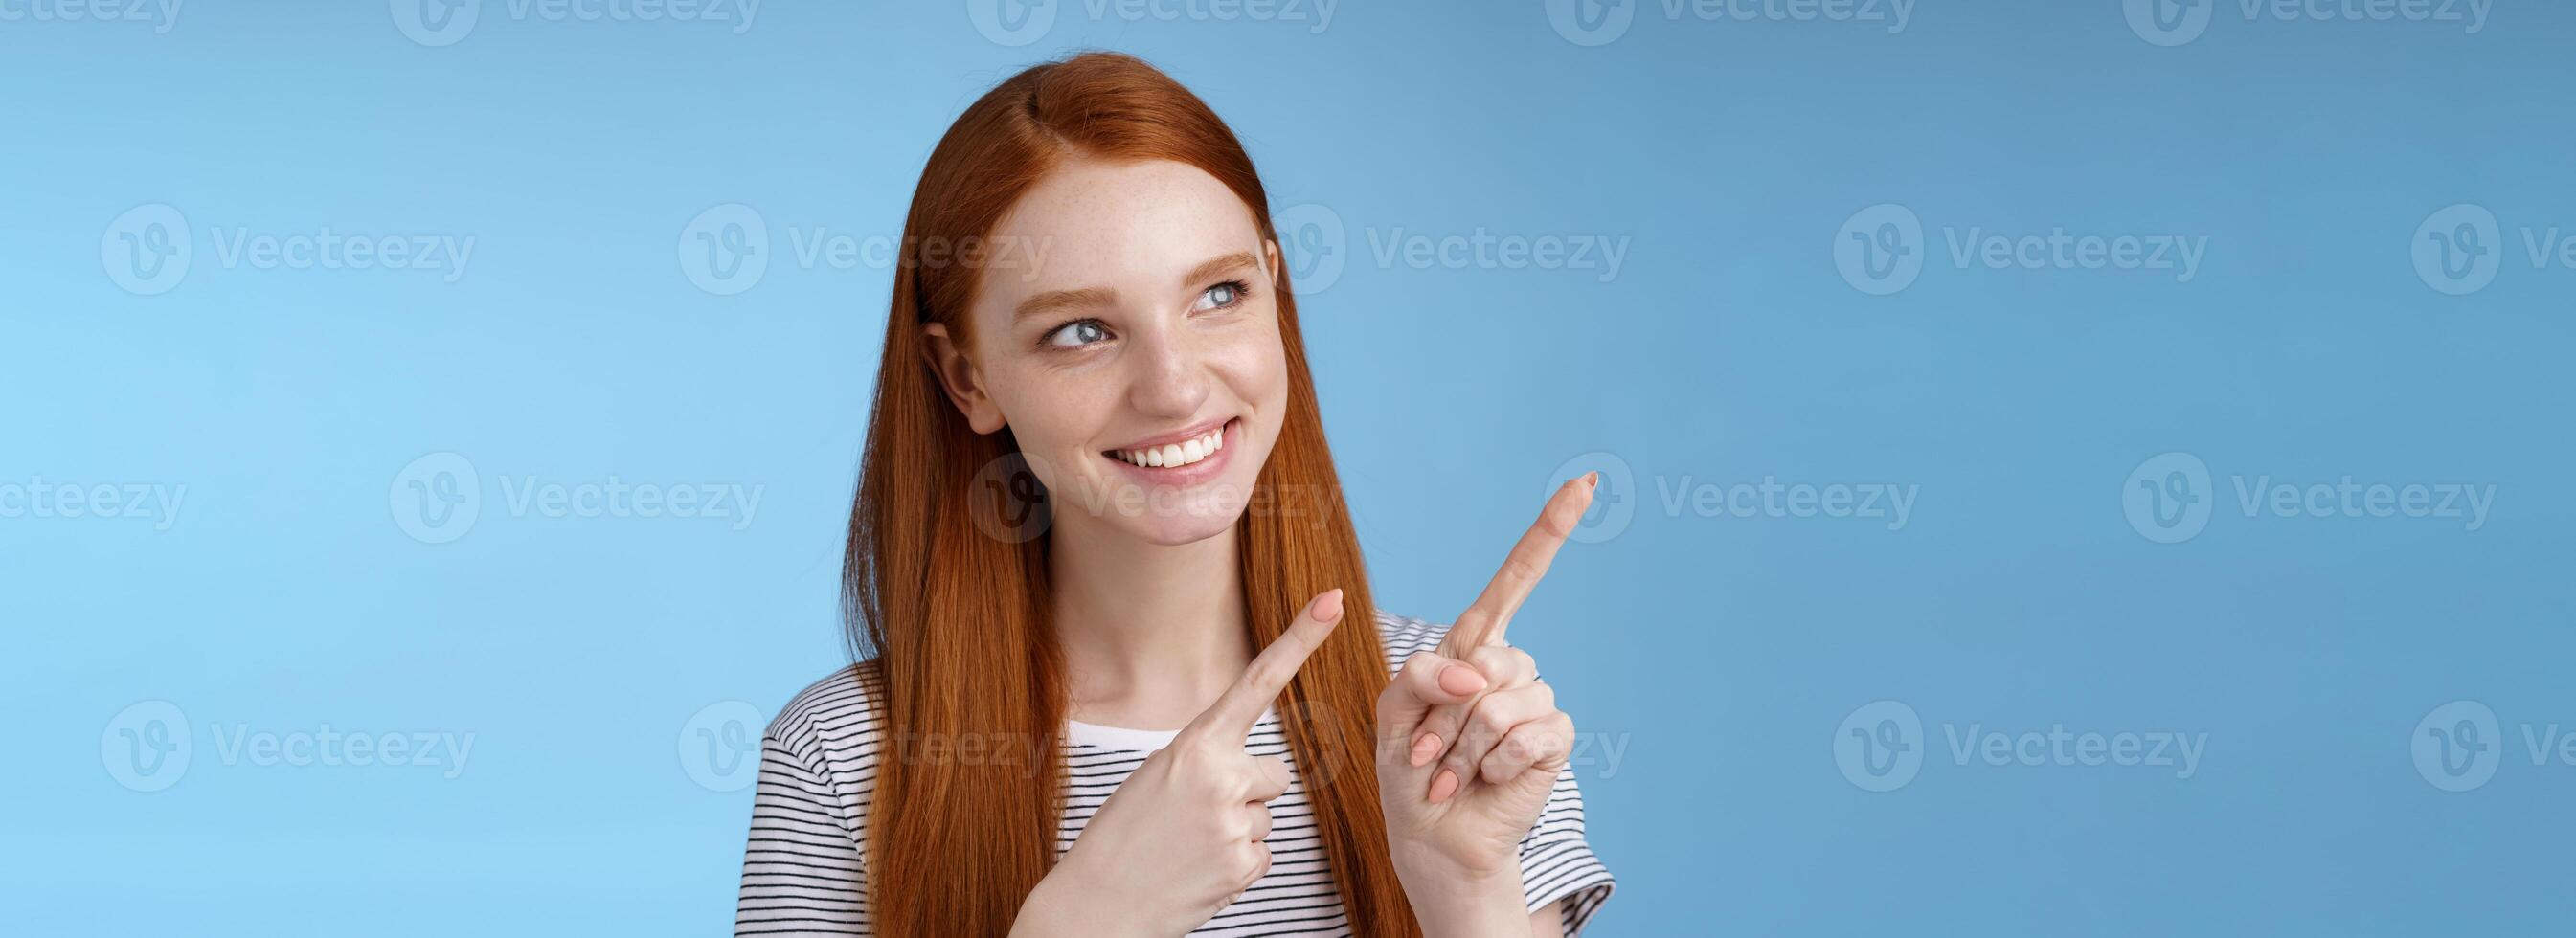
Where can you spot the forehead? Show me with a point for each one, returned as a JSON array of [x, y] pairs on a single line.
[[1126, 226]]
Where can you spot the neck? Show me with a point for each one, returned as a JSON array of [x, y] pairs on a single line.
[[1151, 633]]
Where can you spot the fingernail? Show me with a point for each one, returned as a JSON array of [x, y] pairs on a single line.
[[1328, 607], [1425, 748], [1443, 785], [1592, 480], [1461, 679]]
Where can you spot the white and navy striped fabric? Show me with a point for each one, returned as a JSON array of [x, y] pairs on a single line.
[[803, 873]]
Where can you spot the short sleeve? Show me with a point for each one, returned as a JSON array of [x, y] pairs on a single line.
[[1556, 863], [803, 869]]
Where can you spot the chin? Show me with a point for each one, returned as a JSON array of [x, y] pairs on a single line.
[[1187, 529], [1199, 516]]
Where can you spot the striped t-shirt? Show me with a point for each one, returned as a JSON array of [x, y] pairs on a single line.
[[804, 871]]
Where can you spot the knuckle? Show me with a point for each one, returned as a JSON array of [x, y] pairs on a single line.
[[1470, 623], [1262, 672], [1561, 517]]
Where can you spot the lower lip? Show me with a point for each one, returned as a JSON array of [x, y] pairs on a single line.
[[1191, 474]]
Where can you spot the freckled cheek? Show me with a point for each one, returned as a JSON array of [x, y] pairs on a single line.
[[1254, 369], [1060, 413]]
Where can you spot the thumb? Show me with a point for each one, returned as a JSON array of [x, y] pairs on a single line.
[[1429, 679]]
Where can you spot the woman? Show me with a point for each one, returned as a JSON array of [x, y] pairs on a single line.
[[1095, 485]]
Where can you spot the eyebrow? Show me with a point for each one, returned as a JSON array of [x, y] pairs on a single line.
[[1213, 266], [1054, 300]]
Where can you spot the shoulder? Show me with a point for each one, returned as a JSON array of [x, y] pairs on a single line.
[[834, 723], [1400, 636]]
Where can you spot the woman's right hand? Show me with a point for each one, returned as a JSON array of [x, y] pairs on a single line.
[[1182, 837]]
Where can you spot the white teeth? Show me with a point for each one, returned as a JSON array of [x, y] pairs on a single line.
[[1169, 455]]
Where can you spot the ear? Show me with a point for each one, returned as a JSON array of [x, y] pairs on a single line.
[[1270, 264], [958, 376]]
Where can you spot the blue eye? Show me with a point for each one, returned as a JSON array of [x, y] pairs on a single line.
[[1077, 334], [1219, 297]]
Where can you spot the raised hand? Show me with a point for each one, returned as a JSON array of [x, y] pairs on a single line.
[[1182, 837], [1470, 740]]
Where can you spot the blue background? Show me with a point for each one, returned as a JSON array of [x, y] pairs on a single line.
[[1723, 652]]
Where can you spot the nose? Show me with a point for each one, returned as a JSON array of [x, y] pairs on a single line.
[[1168, 377]]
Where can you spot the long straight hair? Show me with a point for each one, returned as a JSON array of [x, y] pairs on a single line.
[[951, 597]]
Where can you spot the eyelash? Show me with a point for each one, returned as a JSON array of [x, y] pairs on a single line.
[[1242, 291], [1046, 340]]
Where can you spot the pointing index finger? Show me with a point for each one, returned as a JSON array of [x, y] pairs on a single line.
[[1234, 714], [1485, 622]]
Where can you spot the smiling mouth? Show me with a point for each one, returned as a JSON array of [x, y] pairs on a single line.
[[1175, 454]]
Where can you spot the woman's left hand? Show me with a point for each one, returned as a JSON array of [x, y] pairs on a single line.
[[1469, 740]]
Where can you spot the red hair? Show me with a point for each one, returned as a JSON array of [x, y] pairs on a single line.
[[958, 618]]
